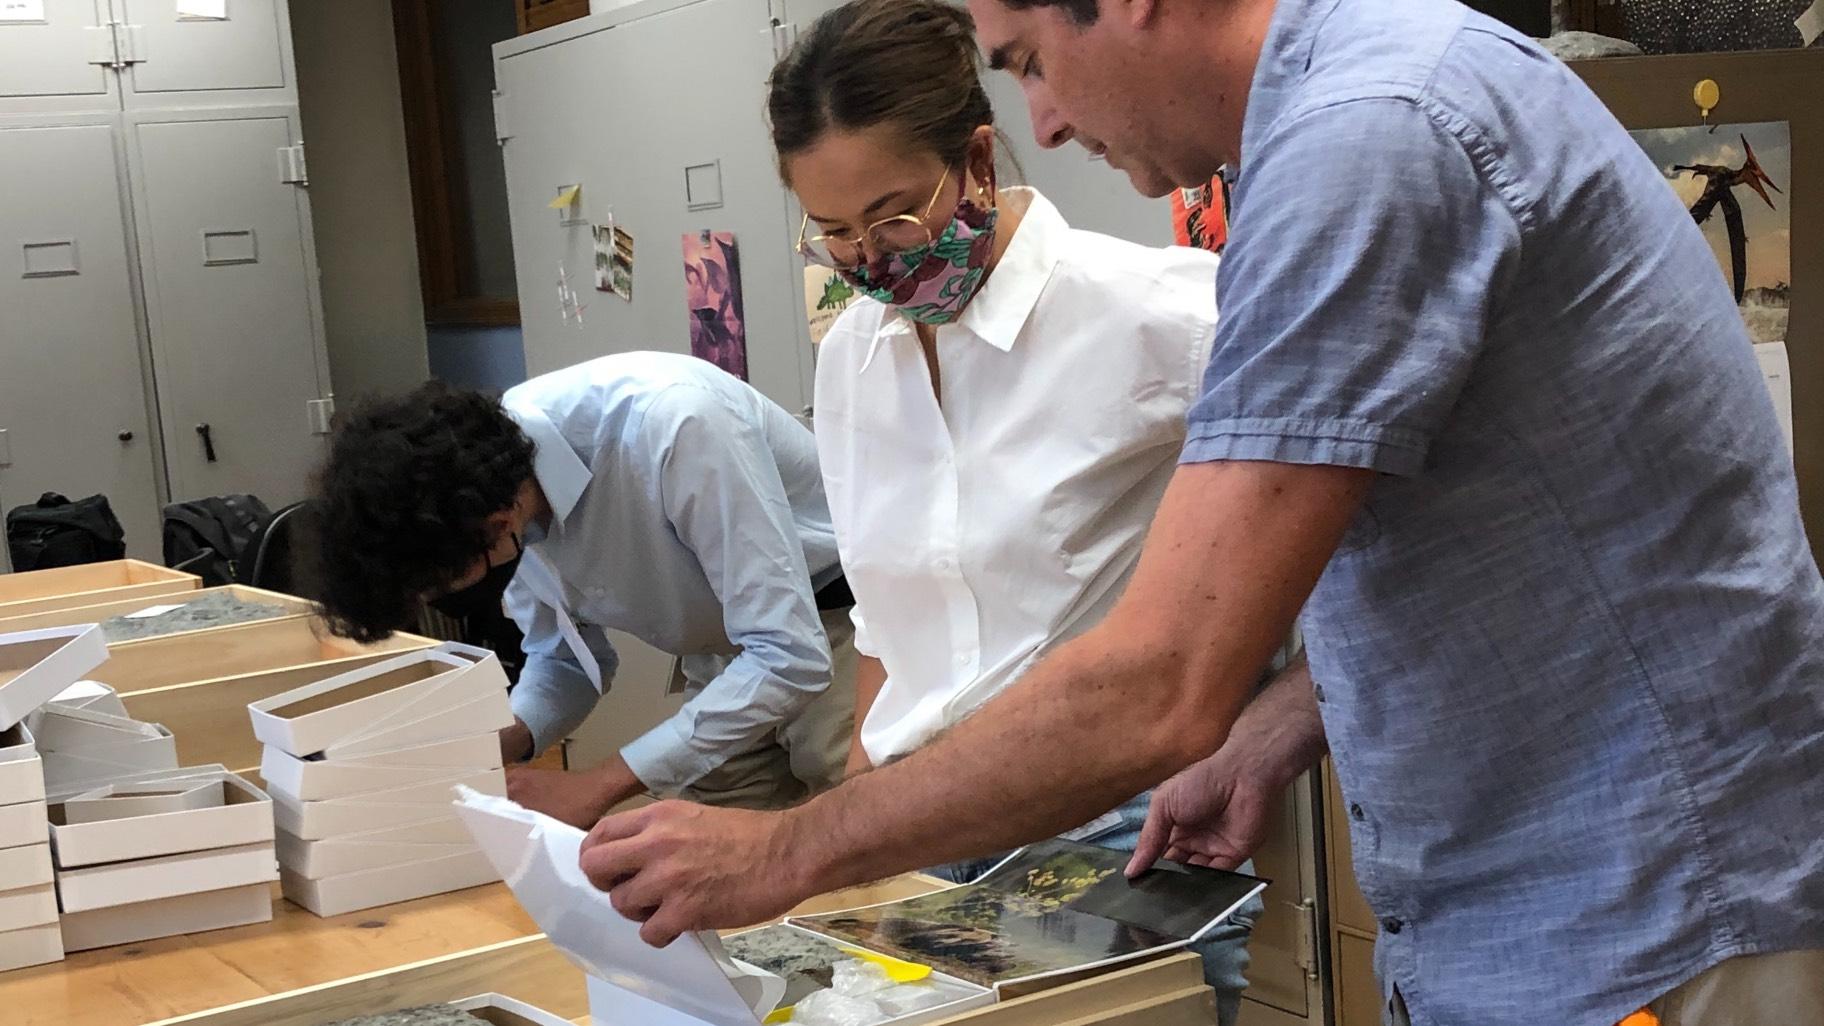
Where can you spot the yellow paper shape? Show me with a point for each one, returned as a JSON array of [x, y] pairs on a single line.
[[566, 197]]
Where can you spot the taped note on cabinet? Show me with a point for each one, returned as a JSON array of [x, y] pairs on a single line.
[[202, 10], [22, 11], [1811, 23]]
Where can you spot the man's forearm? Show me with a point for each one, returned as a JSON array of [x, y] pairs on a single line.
[[1148, 692]]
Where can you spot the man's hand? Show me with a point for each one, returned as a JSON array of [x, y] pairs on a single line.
[[1208, 815], [516, 742], [676, 866], [579, 799]]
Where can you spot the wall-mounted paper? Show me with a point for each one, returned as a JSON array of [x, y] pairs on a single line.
[[712, 288], [1811, 23]]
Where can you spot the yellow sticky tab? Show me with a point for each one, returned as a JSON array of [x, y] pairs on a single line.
[[898, 970], [779, 1015], [566, 197]]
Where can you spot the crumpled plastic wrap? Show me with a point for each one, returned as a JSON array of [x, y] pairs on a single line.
[[861, 994]]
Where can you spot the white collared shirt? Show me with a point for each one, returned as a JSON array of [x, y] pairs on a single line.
[[978, 535]]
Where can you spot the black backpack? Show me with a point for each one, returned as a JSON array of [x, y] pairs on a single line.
[[57, 532], [213, 537]]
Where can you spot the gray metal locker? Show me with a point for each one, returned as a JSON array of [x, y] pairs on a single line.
[[49, 65], [72, 401], [231, 301]]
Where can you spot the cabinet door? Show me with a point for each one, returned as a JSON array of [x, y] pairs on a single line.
[[1284, 983], [45, 49], [73, 401], [231, 296], [183, 60]]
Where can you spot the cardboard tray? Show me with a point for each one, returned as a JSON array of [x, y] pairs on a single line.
[[373, 849], [320, 779], [21, 770], [351, 892], [243, 817], [23, 824], [290, 606], [71, 587], [38, 945], [382, 700], [169, 876], [418, 803], [168, 917], [36, 665]]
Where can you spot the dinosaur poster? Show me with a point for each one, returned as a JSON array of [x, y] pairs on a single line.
[[1736, 181]]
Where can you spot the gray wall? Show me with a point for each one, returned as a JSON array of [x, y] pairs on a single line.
[[360, 195]]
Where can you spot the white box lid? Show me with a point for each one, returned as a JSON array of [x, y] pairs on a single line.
[[36, 666]]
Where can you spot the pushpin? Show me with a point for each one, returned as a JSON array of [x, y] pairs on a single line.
[[1707, 95]]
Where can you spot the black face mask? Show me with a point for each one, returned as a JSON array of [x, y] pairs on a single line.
[[483, 597]]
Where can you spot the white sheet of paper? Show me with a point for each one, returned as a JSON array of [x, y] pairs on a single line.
[[1811, 23], [1776, 370], [21, 10], [203, 10], [151, 611], [537, 858]]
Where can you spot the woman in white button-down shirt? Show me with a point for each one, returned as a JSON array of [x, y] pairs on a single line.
[[998, 416]]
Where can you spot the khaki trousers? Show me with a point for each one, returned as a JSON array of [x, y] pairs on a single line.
[[803, 757], [1783, 989]]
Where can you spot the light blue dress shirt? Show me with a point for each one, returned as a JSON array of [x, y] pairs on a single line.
[[688, 512], [1571, 654]]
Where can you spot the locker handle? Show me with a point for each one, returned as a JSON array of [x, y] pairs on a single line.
[[208, 442], [125, 436]]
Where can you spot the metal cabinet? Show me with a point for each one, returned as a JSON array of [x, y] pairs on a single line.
[[73, 405], [164, 337]]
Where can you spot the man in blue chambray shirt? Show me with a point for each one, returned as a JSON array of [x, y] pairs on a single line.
[[1480, 395], [648, 493]]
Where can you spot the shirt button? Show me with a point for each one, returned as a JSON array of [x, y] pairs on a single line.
[[1392, 926], [962, 660], [1356, 813], [1319, 690]]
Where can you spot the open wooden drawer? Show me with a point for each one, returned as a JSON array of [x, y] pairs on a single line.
[[1165, 992], [287, 606], [199, 684], [68, 587]]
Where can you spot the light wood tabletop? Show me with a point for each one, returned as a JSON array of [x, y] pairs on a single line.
[[160, 979]]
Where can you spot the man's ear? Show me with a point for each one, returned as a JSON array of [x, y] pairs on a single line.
[[1134, 13]]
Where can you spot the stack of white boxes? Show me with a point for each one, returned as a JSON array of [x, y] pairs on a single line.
[[92, 743], [34, 667], [161, 854], [362, 768]]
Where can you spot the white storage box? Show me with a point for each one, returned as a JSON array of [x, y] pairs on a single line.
[[28, 907], [378, 700], [37, 945], [350, 892], [27, 865], [103, 748], [488, 714], [318, 779], [36, 665], [24, 824], [374, 849], [21, 771], [419, 803], [500, 1010], [142, 880], [167, 917], [242, 816], [128, 801], [93, 696]]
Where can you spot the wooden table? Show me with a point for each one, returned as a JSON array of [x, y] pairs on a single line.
[[160, 979]]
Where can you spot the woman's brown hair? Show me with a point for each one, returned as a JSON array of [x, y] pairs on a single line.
[[912, 64]]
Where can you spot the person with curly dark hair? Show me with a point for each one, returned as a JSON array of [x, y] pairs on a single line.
[[648, 493]]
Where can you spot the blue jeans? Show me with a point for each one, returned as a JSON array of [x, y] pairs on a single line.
[[1224, 949]]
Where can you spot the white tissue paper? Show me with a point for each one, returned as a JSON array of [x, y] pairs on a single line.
[[537, 857]]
